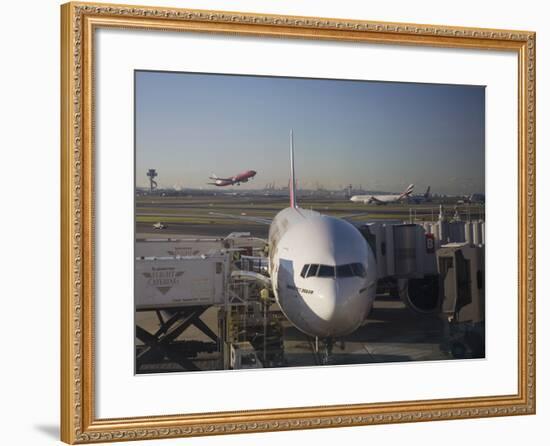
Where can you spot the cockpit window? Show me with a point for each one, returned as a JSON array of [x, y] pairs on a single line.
[[358, 269], [347, 270], [344, 271], [312, 272], [325, 271]]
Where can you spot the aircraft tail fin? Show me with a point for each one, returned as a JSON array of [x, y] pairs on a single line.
[[408, 191], [292, 184], [213, 176], [427, 194]]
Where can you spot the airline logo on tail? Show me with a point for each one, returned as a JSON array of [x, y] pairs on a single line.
[[407, 192]]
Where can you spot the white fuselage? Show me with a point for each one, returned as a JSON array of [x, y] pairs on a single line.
[[376, 199], [322, 270], [384, 199]]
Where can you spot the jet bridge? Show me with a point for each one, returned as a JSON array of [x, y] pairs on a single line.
[[462, 276], [402, 250], [406, 262]]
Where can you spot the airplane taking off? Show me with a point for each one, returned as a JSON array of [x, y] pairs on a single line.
[[383, 199], [322, 270], [237, 179]]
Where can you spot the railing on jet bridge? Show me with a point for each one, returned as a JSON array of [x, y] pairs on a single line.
[[470, 232]]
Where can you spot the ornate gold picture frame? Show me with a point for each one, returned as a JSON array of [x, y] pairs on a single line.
[[79, 423]]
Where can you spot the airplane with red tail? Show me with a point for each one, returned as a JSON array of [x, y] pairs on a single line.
[[231, 181]]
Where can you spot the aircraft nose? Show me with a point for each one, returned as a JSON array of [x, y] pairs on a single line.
[[324, 302], [340, 305], [350, 308]]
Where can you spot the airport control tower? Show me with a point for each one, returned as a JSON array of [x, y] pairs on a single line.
[[152, 174]]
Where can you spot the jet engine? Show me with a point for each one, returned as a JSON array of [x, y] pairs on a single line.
[[421, 295]]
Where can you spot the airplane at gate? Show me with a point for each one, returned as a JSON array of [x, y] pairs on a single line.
[[323, 272], [383, 199], [237, 179]]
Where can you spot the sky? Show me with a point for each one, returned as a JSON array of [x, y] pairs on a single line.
[[377, 135]]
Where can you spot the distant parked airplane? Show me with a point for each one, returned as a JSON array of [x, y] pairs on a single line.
[[237, 179], [477, 197], [418, 199], [383, 199]]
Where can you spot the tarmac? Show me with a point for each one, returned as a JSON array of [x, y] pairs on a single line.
[[392, 333]]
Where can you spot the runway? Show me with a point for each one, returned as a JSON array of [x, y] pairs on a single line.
[[194, 214]]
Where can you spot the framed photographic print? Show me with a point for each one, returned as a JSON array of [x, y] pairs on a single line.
[[275, 223]]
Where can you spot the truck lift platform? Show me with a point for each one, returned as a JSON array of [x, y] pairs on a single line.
[[162, 346]]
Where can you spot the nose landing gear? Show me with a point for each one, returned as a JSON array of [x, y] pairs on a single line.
[[323, 352], [327, 354]]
